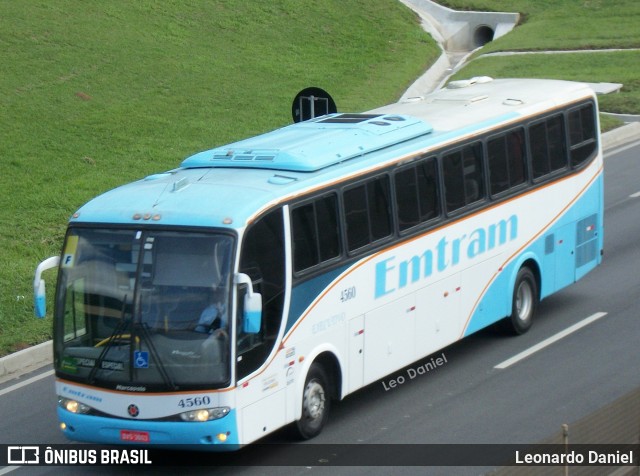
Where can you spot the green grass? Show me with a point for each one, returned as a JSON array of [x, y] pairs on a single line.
[[563, 24], [566, 25], [618, 67], [96, 94]]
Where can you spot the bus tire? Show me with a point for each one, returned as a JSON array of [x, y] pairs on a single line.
[[524, 303], [315, 403]]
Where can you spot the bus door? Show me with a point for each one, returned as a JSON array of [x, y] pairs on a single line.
[[261, 392]]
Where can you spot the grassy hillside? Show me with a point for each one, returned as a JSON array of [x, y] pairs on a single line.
[[96, 94], [566, 25]]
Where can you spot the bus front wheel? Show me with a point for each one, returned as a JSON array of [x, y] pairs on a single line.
[[525, 302], [315, 403]]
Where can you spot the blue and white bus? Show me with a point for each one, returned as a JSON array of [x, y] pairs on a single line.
[[249, 287]]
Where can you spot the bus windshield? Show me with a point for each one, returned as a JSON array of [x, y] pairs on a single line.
[[144, 310]]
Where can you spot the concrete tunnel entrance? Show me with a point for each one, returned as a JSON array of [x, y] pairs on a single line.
[[482, 36]]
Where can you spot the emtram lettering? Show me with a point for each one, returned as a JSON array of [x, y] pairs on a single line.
[[392, 274]]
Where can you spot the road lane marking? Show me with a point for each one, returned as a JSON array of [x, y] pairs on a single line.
[[29, 381], [554, 338], [635, 195], [8, 469]]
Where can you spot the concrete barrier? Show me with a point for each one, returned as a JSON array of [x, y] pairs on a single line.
[[621, 136], [23, 361], [464, 31]]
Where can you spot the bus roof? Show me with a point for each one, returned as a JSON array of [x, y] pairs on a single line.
[[227, 186]]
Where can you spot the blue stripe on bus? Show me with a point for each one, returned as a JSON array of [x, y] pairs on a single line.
[[305, 293], [559, 269]]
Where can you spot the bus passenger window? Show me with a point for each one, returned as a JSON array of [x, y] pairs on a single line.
[[416, 194], [506, 161], [367, 212], [582, 134], [428, 190], [557, 149], [517, 157], [305, 237], [379, 208], [463, 176], [498, 168], [453, 181], [357, 220], [406, 193], [548, 151], [473, 173], [328, 229], [315, 232]]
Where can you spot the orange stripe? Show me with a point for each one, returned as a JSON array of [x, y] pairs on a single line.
[[155, 394], [519, 250]]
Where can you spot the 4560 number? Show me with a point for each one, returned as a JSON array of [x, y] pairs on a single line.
[[191, 402], [348, 294]]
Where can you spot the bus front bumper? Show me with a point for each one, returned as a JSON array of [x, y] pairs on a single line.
[[214, 435]]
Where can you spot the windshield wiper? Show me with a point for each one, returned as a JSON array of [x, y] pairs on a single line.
[[146, 336], [116, 331]]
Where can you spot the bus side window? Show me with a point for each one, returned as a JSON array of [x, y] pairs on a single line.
[[263, 260], [548, 151], [305, 236], [379, 208], [356, 217], [453, 180], [517, 157], [316, 235], [498, 168], [582, 134], [506, 161], [473, 173], [557, 143], [367, 211], [463, 176], [416, 194], [406, 194]]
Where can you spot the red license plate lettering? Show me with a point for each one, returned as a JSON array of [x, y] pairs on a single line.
[[135, 436]]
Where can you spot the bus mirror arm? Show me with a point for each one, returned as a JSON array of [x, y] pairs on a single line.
[[39, 294], [252, 316]]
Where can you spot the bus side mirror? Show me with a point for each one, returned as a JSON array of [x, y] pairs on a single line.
[[39, 293], [252, 315], [252, 319]]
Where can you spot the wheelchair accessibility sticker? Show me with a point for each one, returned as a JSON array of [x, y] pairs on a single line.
[[141, 359]]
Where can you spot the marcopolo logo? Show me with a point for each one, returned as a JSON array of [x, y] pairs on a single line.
[[393, 274]]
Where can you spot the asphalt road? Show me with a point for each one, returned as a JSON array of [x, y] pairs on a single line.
[[468, 399]]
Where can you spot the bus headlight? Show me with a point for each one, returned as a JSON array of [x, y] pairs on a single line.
[[205, 414], [73, 406]]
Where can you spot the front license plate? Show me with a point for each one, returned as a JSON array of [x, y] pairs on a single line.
[[135, 436]]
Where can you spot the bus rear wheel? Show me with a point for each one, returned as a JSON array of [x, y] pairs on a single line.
[[525, 302], [315, 403]]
